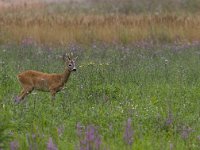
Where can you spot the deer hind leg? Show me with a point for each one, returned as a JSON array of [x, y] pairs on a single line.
[[19, 97], [26, 84], [53, 94], [23, 94]]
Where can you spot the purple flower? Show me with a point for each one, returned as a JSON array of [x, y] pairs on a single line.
[[185, 133], [88, 139], [90, 133], [27, 42], [74, 47], [51, 145], [32, 141], [128, 133], [33, 136], [60, 130], [78, 129], [14, 145], [97, 142], [169, 119]]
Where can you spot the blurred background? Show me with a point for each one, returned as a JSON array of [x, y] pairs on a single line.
[[85, 21], [120, 6]]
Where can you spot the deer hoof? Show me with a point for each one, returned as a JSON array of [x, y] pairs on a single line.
[[16, 100]]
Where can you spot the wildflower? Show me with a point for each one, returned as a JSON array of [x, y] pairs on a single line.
[[60, 130], [198, 137], [78, 129], [32, 141], [185, 133], [90, 139], [91, 63], [14, 145], [97, 142], [166, 61], [171, 146], [94, 46], [33, 136], [27, 42], [106, 64], [111, 127], [128, 133], [2, 62], [169, 119], [51, 145], [90, 133]]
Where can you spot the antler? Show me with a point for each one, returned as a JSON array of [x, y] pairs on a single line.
[[66, 56], [69, 56]]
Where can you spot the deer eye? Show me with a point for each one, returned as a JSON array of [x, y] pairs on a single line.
[[70, 65]]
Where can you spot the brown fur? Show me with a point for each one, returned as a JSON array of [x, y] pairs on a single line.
[[34, 80]]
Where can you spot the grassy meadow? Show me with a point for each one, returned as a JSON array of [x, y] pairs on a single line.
[[137, 84]]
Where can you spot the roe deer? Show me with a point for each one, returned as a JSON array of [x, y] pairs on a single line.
[[34, 80]]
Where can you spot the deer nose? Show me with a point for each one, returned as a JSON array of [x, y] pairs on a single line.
[[74, 69]]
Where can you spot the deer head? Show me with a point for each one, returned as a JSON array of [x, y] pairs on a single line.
[[70, 62]]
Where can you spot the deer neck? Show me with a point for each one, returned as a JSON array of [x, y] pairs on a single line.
[[66, 75]]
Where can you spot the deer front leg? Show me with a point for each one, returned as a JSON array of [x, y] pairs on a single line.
[[53, 94]]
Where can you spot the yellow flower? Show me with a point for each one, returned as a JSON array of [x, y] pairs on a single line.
[[91, 63]]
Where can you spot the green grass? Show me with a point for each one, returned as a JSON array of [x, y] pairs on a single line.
[[112, 84]]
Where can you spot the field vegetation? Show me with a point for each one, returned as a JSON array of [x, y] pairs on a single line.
[[137, 84]]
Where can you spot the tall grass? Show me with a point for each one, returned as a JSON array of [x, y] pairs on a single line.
[[66, 28], [64, 23]]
